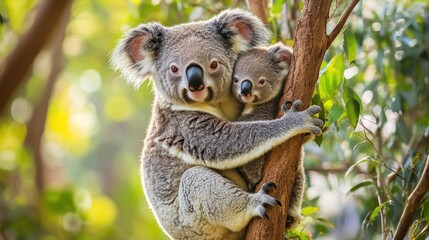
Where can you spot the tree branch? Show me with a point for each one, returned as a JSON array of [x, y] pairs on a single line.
[[259, 8], [413, 203], [309, 49], [311, 43], [337, 29], [19, 61], [36, 126]]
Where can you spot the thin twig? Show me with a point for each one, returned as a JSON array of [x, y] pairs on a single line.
[[337, 29], [381, 197], [415, 144], [337, 4], [413, 203]]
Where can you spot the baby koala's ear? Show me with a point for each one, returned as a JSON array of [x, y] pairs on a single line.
[[241, 30], [134, 55], [281, 54]]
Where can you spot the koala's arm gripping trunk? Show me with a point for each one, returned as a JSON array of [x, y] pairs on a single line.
[[202, 139], [311, 43]]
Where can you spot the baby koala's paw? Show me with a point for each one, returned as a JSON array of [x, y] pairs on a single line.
[[293, 218], [262, 198]]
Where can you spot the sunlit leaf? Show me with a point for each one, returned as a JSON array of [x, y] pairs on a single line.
[[350, 45], [360, 185], [377, 210], [366, 159], [353, 105], [325, 222], [331, 78], [307, 211], [295, 234], [334, 114], [277, 6]]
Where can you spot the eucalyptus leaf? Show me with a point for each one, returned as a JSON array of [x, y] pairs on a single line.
[[353, 105], [350, 45], [334, 114], [307, 211], [366, 159], [377, 210], [360, 185], [325, 222]]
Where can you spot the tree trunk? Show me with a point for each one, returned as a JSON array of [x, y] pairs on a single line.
[[36, 125], [311, 43], [14, 68]]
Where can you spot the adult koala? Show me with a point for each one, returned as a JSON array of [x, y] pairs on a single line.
[[189, 144]]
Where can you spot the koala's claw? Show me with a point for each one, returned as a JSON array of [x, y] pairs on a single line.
[[262, 199], [266, 187], [261, 211]]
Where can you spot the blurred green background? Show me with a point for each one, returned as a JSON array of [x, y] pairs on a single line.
[[85, 183]]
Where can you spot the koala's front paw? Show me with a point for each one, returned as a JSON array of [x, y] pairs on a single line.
[[293, 218], [262, 198], [303, 119]]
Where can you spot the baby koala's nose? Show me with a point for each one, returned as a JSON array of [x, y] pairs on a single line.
[[195, 76], [246, 88]]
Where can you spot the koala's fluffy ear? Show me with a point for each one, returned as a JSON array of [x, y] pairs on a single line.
[[281, 54], [135, 53], [241, 30]]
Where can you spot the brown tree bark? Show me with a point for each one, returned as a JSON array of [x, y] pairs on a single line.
[[413, 203], [14, 68], [259, 8], [311, 43], [36, 126]]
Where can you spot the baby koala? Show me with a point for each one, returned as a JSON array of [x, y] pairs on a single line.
[[258, 80]]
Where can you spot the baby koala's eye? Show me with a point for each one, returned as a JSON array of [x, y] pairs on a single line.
[[174, 69], [214, 64], [235, 80], [261, 81]]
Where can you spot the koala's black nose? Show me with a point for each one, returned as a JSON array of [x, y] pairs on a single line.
[[246, 88], [195, 76]]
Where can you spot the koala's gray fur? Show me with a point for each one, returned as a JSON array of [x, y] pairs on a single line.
[[265, 68], [190, 147]]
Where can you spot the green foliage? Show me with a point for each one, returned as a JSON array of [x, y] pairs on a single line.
[[350, 45], [302, 231], [378, 116], [361, 185]]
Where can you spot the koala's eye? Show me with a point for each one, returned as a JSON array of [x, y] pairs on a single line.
[[261, 81], [174, 69], [214, 65], [235, 79]]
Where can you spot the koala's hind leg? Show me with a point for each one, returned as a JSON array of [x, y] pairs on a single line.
[[294, 211], [207, 198]]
